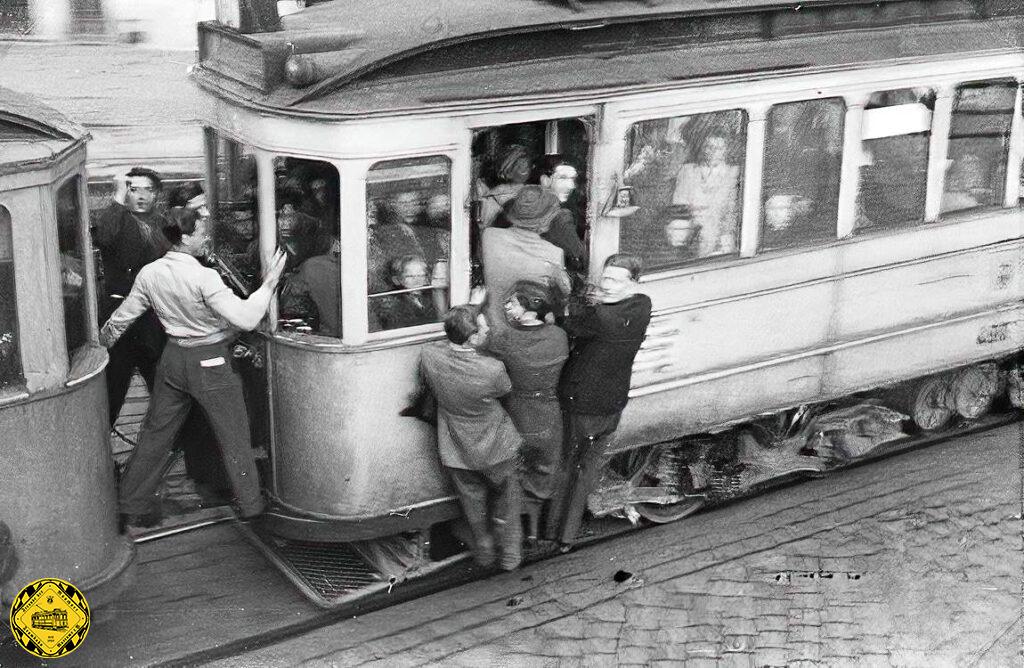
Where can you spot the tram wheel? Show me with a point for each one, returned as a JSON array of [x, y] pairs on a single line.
[[973, 390], [930, 410], [927, 403], [665, 513], [646, 463]]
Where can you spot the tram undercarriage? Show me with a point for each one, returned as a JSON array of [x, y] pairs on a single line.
[[665, 482]]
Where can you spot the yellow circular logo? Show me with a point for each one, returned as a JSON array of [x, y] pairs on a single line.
[[50, 618]]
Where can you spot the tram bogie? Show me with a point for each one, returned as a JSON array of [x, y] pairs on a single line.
[[868, 235]]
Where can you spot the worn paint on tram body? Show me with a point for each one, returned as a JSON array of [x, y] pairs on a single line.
[[751, 332]]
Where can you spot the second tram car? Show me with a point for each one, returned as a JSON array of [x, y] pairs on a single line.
[[851, 172]]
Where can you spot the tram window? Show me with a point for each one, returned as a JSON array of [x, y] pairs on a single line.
[[308, 229], [72, 264], [803, 160], [894, 171], [979, 142], [686, 174], [235, 220], [408, 241], [10, 357]]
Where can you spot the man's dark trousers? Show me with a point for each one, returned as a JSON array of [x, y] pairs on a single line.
[[203, 373], [492, 494], [587, 438], [139, 348]]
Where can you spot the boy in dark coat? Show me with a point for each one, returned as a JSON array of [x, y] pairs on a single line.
[[595, 383]]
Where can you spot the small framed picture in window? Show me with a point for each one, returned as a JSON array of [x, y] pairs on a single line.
[[623, 204]]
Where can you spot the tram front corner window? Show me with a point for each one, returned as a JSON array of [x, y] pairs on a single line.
[[235, 225], [408, 242], [307, 200], [72, 264], [10, 355], [686, 173]]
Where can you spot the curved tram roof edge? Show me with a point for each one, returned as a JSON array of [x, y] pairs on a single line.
[[538, 81]]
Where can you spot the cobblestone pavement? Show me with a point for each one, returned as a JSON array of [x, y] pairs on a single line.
[[913, 561], [138, 103]]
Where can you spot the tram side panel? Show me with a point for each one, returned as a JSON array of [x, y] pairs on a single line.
[[708, 364], [341, 449], [73, 535]]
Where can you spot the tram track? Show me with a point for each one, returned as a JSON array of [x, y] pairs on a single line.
[[599, 532]]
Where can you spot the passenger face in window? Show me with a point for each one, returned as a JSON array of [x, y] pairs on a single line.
[[439, 209], [716, 149], [681, 232], [407, 207], [141, 195], [412, 274], [561, 182]]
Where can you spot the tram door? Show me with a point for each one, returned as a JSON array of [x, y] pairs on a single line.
[[507, 156]]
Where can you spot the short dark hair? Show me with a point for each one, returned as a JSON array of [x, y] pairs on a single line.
[[532, 296], [547, 165], [184, 192], [180, 222], [149, 174], [675, 212], [460, 323], [627, 261]]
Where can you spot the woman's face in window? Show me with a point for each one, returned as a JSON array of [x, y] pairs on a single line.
[[407, 206], [716, 148], [414, 275]]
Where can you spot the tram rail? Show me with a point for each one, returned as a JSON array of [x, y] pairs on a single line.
[[461, 570]]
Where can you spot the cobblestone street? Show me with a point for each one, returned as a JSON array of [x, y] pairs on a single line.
[[913, 561]]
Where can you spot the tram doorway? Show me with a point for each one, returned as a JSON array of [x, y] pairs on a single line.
[[505, 157]]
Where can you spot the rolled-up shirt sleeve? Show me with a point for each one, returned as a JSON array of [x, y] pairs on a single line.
[[243, 314], [134, 305]]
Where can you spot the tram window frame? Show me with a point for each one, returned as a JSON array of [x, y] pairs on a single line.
[[71, 271], [959, 202], [656, 223], [916, 130], [438, 276], [296, 293], [801, 208], [12, 372], [222, 182]]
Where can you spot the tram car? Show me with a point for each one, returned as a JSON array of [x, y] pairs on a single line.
[[826, 197], [58, 500], [51, 620]]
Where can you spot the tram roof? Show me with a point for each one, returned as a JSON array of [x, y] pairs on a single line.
[[31, 132], [374, 56]]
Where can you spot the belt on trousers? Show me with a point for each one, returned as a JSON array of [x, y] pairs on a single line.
[[196, 341]]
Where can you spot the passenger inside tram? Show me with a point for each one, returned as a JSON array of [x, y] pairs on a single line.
[[408, 242], [558, 175], [514, 168], [680, 238], [710, 187], [307, 197], [691, 162], [803, 161], [410, 303], [312, 294]]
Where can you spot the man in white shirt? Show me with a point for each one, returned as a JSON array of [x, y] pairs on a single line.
[[201, 316]]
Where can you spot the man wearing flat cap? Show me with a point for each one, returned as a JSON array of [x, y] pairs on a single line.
[[519, 253]]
